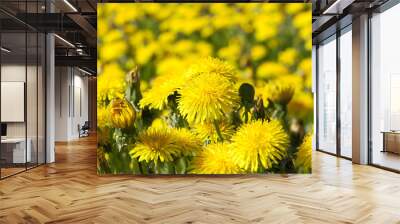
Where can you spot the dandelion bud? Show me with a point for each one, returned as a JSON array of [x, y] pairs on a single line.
[[133, 76], [281, 93], [133, 91], [246, 93], [122, 113]]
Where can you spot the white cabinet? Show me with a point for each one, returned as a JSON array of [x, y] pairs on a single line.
[[17, 145]]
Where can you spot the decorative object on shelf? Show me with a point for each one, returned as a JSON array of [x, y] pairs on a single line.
[[391, 141]]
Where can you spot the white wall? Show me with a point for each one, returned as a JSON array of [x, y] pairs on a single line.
[[71, 94]]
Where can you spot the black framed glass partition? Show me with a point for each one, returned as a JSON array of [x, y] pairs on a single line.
[[376, 37], [22, 77], [385, 88], [345, 91], [326, 71], [334, 93]]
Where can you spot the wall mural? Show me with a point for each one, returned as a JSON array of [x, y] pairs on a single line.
[[205, 88]]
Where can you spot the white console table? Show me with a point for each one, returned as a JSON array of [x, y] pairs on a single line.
[[18, 149]]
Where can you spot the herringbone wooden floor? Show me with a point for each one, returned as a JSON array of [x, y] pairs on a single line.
[[69, 191]]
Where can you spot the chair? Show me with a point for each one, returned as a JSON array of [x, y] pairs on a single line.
[[84, 130]]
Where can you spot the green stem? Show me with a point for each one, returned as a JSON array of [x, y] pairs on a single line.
[[246, 115], [218, 131], [156, 167]]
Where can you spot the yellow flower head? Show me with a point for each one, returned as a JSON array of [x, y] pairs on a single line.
[[277, 92], [288, 56], [212, 67], [269, 70], [122, 113], [282, 93], [159, 123], [110, 83], [155, 144], [163, 86], [230, 52], [207, 98], [163, 144], [207, 131], [189, 144], [113, 46], [215, 159], [302, 105], [304, 155], [257, 52], [259, 144]]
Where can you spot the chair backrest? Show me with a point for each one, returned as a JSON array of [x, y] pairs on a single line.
[[86, 124]]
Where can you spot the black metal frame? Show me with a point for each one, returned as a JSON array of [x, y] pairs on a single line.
[[337, 34], [44, 79], [387, 5], [338, 98]]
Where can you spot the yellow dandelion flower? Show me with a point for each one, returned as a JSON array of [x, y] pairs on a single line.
[[282, 93], [160, 143], [172, 65], [259, 144], [212, 66], [111, 83], [293, 8], [302, 105], [257, 52], [145, 52], [305, 69], [207, 131], [189, 144], [269, 70], [113, 46], [207, 98], [304, 155], [122, 113], [155, 144], [163, 86], [293, 80], [204, 48], [159, 123], [288, 56], [230, 52], [277, 92], [215, 159]]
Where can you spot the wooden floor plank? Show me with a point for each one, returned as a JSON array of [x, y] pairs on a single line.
[[69, 191]]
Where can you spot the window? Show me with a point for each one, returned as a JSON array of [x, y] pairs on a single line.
[[385, 89], [327, 95], [346, 92]]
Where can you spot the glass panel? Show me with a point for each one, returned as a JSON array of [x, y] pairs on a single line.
[[346, 94], [385, 84], [13, 86], [32, 95], [23, 89], [32, 86], [327, 96], [41, 99]]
